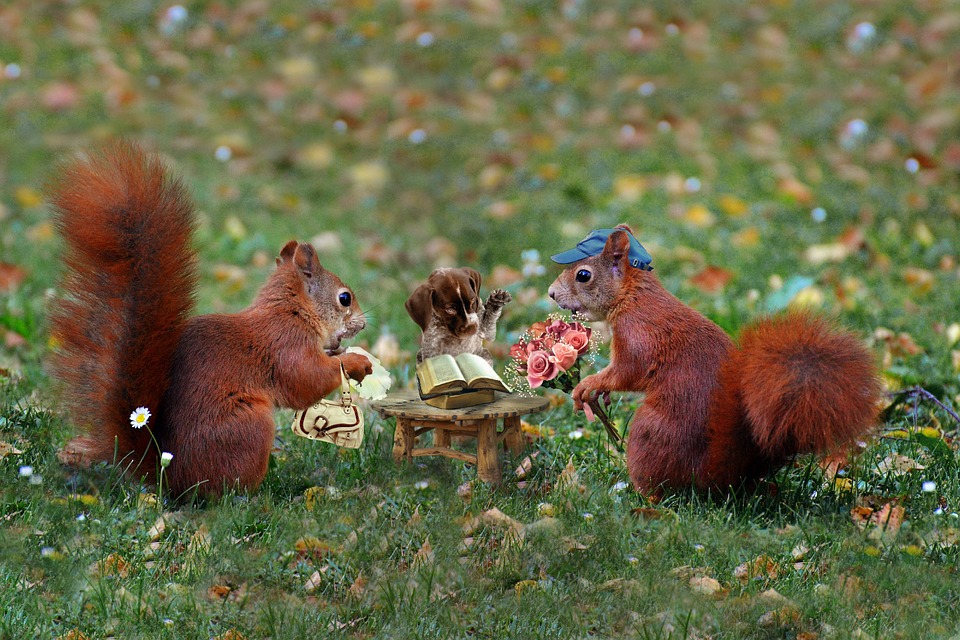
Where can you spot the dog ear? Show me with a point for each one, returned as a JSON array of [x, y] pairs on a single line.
[[474, 276], [420, 305]]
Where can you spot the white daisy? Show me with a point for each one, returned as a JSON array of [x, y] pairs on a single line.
[[165, 459], [139, 417]]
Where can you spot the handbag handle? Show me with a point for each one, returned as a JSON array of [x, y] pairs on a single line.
[[346, 398]]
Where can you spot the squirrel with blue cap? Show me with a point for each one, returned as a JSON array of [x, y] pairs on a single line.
[[716, 413]]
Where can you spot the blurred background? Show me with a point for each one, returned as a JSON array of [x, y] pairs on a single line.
[[765, 153]]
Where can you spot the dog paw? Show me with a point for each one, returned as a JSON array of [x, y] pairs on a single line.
[[498, 298]]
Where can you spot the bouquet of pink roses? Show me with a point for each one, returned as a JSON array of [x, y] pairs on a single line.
[[549, 354]]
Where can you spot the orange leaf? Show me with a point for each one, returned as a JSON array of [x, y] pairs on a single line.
[[711, 279]]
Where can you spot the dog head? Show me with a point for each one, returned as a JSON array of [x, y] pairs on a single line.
[[452, 296]]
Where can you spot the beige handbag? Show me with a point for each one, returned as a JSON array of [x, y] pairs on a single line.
[[339, 422]]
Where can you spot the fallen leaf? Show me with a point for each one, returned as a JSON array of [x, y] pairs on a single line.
[[424, 554], [711, 279], [699, 216], [219, 591], [759, 568], [705, 585], [10, 277], [897, 464], [7, 449]]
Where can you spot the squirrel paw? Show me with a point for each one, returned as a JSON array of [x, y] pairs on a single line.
[[357, 366], [498, 298], [589, 390]]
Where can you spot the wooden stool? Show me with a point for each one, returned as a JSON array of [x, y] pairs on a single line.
[[415, 417]]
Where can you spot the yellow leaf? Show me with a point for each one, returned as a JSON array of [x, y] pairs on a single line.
[[746, 238], [733, 206], [525, 585], [312, 497], [318, 155], [27, 197], [923, 234], [699, 216], [312, 544], [629, 187]]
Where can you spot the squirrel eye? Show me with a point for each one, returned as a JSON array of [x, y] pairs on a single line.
[[583, 276], [345, 298]]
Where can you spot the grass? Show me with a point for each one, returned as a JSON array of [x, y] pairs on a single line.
[[510, 127]]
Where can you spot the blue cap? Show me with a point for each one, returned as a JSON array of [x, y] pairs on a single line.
[[593, 245]]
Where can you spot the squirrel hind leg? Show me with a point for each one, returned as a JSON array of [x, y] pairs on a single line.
[[807, 386]]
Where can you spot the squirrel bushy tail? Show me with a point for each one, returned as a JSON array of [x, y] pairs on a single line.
[[128, 285], [795, 384]]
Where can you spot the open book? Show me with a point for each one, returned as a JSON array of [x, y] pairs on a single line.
[[450, 382]]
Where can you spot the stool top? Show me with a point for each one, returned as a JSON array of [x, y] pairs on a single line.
[[406, 403]]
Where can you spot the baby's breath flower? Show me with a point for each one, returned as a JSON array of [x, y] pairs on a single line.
[[139, 417]]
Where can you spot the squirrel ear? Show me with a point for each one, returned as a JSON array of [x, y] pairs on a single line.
[[616, 250], [625, 227], [286, 254], [420, 305], [306, 260], [474, 276]]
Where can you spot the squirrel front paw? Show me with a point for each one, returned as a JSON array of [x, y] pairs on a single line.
[[356, 365], [589, 390], [498, 298]]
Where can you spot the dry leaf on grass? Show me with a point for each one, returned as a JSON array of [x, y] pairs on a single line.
[[7, 449], [705, 585]]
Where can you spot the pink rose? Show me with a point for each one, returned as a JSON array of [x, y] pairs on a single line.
[[579, 340], [558, 327], [540, 368], [564, 356]]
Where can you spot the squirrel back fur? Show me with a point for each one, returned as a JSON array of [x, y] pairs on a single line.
[[716, 412], [124, 339]]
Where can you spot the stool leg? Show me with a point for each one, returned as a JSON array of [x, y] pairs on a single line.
[[441, 438], [399, 441], [409, 440], [488, 463], [512, 439]]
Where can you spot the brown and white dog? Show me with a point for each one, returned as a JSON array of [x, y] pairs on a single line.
[[448, 309]]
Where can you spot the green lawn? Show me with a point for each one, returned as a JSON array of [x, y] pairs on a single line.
[[766, 154]]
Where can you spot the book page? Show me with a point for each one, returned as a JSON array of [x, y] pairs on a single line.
[[478, 373], [439, 374]]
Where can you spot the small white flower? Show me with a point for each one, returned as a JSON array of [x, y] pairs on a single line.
[[167, 622], [47, 552], [26, 471], [36, 479], [139, 417], [633, 560], [421, 485], [620, 486], [82, 517], [699, 547], [929, 486], [588, 516], [938, 511], [576, 434], [165, 459]]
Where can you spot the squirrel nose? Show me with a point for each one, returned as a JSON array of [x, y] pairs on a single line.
[[552, 293]]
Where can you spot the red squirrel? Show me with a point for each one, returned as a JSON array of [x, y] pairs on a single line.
[[124, 338], [715, 413]]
